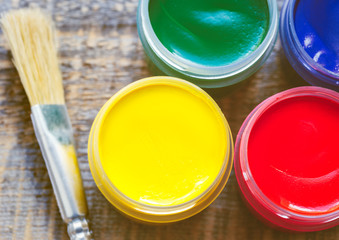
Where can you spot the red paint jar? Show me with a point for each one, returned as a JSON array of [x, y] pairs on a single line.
[[287, 159]]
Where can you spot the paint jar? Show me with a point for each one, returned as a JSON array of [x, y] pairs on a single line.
[[309, 37], [286, 159], [160, 150], [212, 45]]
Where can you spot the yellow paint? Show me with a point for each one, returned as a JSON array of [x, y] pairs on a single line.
[[162, 142]]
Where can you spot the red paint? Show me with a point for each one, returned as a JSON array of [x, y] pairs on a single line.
[[293, 154]]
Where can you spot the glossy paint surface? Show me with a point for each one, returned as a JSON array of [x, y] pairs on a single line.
[[293, 154], [163, 144], [317, 27], [212, 33]]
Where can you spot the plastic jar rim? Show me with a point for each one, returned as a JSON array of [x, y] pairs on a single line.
[[200, 71], [124, 200], [241, 161]]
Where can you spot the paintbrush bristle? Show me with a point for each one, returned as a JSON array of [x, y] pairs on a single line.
[[31, 37]]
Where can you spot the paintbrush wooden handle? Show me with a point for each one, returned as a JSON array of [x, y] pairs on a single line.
[[55, 136]]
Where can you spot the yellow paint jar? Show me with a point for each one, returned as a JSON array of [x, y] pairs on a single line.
[[160, 150]]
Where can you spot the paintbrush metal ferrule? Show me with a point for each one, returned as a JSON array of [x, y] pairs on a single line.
[[53, 130]]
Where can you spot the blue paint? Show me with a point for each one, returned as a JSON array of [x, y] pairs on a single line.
[[317, 27]]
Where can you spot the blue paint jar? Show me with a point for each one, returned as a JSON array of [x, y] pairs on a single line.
[[305, 31]]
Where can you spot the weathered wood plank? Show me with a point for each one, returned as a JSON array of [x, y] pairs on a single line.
[[99, 54]]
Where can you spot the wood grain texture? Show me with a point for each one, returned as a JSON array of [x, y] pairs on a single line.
[[99, 54]]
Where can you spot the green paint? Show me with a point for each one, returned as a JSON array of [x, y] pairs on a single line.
[[210, 32]]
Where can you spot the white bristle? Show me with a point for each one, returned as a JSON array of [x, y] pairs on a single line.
[[31, 38]]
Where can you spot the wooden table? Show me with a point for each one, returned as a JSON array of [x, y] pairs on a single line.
[[100, 53]]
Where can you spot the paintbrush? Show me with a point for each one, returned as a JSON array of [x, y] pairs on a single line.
[[31, 37]]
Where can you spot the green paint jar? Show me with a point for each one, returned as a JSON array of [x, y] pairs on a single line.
[[213, 44]]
